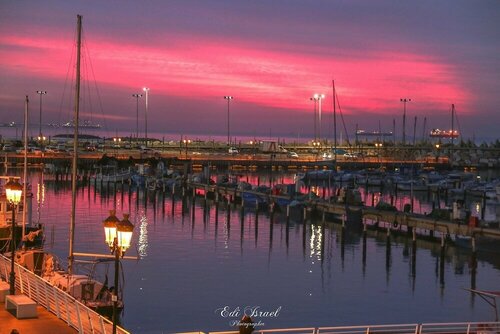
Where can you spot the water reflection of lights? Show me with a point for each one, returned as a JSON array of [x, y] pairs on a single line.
[[40, 193], [315, 190], [143, 236], [315, 243], [226, 234], [40, 198]]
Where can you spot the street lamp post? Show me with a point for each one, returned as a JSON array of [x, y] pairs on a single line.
[[404, 100], [41, 93], [228, 98], [13, 191], [186, 142], [137, 96], [315, 118], [437, 151], [118, 237], [146, 89], [319, 97], [378, 146]]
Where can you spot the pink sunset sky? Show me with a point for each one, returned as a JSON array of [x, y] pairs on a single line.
[[272, 56]]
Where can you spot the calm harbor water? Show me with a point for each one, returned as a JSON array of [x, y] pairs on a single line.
[[192, 267]]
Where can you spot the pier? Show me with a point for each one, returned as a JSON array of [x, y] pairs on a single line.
[[396, 221]]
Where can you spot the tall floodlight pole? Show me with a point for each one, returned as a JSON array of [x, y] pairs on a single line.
[[146, 89], [404, 100], [319, 97], [228, 98], [137, 96], [315, 99], [40, 92]]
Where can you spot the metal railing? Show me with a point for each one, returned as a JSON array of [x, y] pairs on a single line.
[[58, 302], [429, 328]]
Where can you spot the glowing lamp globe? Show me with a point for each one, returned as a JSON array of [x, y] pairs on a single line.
[[110, 226], [125, 230], [13, 191]]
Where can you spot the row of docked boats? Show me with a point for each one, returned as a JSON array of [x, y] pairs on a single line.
[[456, 183]]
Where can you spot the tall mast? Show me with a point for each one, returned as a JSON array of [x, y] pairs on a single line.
[[75, 146], [424, 130], [415, 131], [452, 122], [334, 123], [25, 166], [394, 131]]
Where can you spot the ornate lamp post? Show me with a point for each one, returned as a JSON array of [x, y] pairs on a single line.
[[14, 192], [118, 237]]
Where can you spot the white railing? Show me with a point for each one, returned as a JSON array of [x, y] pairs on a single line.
[[430, 328], [64, 306], [386, 329]]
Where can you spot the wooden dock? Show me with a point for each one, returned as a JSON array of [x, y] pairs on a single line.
[[46, 322], [388, 220]]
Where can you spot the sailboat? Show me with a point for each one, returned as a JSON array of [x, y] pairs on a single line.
[[92, 293], [30, 236]]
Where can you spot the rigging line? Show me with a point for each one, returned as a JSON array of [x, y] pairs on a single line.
[[98, 95], [70, 67], [86, 60], [343, 121], [88, 107]]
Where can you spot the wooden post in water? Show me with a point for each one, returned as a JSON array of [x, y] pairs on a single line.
[[173, 200], [271, 208], [216, 207], [288, 215], [256, 220], [228, 213]]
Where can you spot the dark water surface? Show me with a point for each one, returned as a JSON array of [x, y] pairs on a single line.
[[192, 270]]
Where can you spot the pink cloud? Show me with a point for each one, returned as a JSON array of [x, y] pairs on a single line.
[[194, 68]]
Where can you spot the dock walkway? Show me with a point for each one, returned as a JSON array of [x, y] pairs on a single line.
[[45, 323]]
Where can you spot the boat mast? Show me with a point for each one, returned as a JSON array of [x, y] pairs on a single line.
[[25, 166], [334, 123], [452, 122], [75, 147]]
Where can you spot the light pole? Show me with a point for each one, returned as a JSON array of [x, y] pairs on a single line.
[[315, 118], [228, 98], [137, 96], [118, 237], [404, 100], [437, 151], [40, 92], [13, 191], [378, 146], [319, 97], [186, 142], [146, 89]]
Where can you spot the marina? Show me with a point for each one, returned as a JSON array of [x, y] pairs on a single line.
[[249, 167], [236, 241]]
